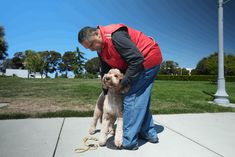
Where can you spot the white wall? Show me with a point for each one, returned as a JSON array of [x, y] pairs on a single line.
[[18, 72]]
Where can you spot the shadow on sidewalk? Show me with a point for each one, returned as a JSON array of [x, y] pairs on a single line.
[[110, 141]]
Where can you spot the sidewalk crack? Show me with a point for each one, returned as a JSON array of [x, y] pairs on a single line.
[[58, 138]]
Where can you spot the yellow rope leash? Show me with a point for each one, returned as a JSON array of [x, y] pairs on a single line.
[[89, 145]]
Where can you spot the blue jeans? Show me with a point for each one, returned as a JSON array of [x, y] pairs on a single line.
[[137, 118]]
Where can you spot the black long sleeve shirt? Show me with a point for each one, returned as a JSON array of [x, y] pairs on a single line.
[[130, 54]]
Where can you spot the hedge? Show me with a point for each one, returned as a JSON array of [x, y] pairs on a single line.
[[211, 78]]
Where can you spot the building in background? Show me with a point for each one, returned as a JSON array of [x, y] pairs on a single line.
[[23, 73]]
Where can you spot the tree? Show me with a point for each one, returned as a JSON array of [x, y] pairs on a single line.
[[55, 59], [51, 61], [92, 65], [45, 57], [78, 70], [18, 61], [69, 62], [229, 65], [6, 63], [185, 71], [169, 68], [209, 65], [72, 61], [3, 44], [34, 62]]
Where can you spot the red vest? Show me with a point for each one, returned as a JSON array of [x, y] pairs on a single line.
[[147, 46]]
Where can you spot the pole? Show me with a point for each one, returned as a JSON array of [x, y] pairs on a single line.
[[221, 97]]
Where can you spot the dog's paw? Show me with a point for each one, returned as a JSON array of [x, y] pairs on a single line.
[[118, 142], [102, 142], [92, 131]]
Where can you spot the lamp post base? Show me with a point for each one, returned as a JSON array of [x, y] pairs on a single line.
[[221, 100]]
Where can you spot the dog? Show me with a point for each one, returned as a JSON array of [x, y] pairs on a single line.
[[109, 108]]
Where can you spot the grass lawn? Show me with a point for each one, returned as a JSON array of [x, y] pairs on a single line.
[[77, 97]]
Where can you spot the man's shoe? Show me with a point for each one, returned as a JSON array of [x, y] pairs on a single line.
[[111, 145], [151, 140], [154, 140], [131, 148]]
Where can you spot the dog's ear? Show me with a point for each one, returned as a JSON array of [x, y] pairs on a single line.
[[103, 84], [124, 89], [120, 76]]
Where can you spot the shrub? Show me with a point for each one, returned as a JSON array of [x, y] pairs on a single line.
[[211, 78]]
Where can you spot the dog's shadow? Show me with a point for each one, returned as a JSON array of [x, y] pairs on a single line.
[[110, 140]]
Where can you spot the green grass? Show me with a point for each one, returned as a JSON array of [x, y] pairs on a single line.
[[66, 113], [167, 96], [78, 90], [187, 97]]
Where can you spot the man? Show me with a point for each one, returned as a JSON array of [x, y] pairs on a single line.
[[139, 57]]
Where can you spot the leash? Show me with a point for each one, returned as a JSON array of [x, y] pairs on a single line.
[[88, 145]]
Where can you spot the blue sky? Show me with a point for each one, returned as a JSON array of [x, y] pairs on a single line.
[[186, 30]]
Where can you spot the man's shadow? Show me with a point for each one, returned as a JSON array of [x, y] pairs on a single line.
[[110, 140]]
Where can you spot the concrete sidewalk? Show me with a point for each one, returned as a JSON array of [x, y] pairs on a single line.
[[181, 135]]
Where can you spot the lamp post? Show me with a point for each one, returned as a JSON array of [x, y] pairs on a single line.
[[221, 97]]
